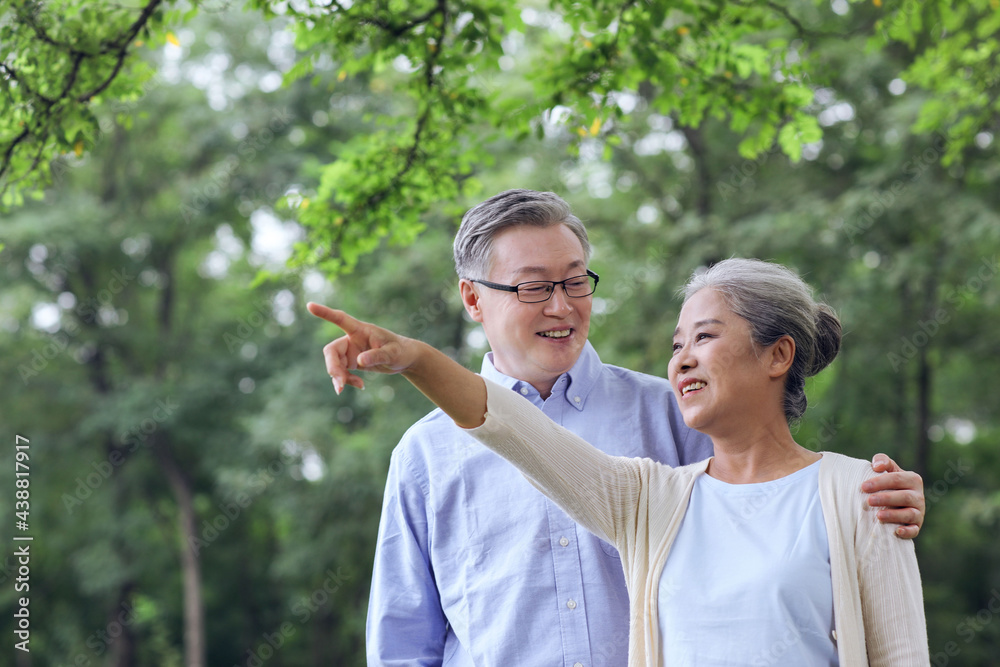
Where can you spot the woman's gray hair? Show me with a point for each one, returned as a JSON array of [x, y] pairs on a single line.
[[473, 248], [776, 302]]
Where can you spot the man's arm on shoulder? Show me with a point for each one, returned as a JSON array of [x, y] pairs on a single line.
[[900, 493], [406, 624]]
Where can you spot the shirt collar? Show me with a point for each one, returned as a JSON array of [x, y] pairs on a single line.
[[574, 386]]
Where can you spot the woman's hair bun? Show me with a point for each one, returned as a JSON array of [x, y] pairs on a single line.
[[828, 335]]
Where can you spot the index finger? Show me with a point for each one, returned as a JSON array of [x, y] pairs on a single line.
[[338, 317]]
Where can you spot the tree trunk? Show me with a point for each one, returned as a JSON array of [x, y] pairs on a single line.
[[924, 379], [120, 615], [923, 412], [180, 484], [194, 614], [700, 154], [123, 649]]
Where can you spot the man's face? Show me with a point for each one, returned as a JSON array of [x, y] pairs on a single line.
[[534, 342]]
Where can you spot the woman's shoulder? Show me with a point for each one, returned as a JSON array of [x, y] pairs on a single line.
[[663, 473], [840, 479], [840, 466]]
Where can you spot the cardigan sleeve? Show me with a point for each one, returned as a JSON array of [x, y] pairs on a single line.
[[891, 595], [597, 490]]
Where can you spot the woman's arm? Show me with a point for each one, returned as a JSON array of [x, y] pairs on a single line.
[[456, 390], [891, 596], [597, 490]]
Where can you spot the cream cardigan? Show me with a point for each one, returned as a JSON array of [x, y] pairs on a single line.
[[637, 505]]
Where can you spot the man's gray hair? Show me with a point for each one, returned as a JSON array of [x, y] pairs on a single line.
[[473, 248], [776, 302]]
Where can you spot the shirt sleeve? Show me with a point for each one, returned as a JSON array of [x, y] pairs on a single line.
[[406, 624], [694, 446], [891, 596], [597, 490]]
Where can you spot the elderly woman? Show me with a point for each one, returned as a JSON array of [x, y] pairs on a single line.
[[765, 554]]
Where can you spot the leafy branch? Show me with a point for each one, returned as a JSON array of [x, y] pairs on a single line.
[[36, 123]]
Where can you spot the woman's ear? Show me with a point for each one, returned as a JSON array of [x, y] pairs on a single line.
[[782, 354], [470, 299]]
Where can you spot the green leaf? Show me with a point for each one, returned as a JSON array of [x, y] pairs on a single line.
[[790, 142], [798, 95]]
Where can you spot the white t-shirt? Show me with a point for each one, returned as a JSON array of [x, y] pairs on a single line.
[[748, 579]]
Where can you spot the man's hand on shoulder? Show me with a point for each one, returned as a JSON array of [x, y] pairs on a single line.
[[900, 493]]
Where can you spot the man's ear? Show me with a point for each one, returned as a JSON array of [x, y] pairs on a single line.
[[781, 356], [470, 299]]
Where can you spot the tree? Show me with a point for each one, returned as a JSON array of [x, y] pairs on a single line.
[[755, 66], [188, 449], [901, 244], [127, 312], [59, 60], [903, 247]]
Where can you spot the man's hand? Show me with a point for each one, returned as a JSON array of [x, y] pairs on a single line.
[[900, 492], [364, 346]]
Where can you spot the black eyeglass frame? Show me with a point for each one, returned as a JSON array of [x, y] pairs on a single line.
[[516, 288]]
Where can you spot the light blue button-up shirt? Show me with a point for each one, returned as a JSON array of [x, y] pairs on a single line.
[[474, 566]]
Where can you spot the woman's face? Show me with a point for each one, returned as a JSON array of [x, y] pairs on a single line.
[[722, 380]]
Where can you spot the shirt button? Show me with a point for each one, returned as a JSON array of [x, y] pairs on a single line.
[[834, 635], [524, 391], [577, 399], [577, 664], [571, 604], [563, 541]]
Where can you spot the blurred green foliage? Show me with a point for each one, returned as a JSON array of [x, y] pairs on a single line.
[[199, 493]]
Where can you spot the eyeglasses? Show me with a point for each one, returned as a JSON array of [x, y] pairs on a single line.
[[537, 291]]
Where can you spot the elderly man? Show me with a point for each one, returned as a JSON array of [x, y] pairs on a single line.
[[473, 565]]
